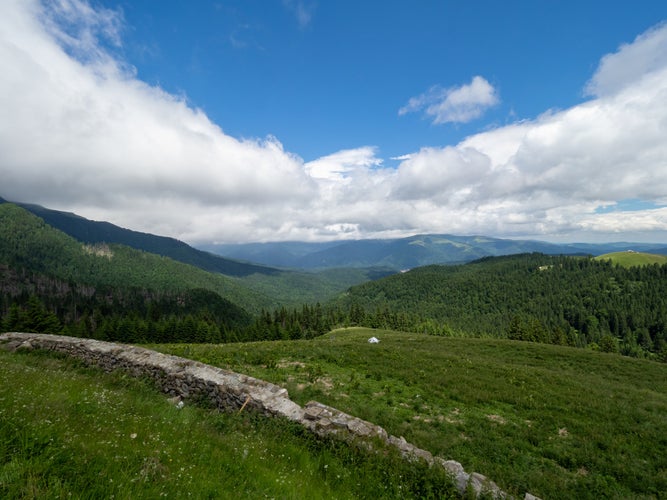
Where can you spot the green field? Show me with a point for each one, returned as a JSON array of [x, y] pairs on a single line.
[[555, 421], [630, 259], [73, 432]]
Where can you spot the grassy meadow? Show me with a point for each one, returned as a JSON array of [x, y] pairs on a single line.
[[558, 422], [555, 421], [67, 431], [630, 259]]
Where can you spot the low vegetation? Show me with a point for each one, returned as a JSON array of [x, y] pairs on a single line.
[[555, 421], [73, 432], [632, 259]]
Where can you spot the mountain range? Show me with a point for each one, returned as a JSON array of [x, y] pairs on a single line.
[[410, 252], [246, 259]]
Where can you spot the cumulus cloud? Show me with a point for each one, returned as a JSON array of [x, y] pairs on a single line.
[[454, 104], [79, 131], [548, 175], [646, 54]]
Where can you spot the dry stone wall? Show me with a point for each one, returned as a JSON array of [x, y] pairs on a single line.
[[185, 379]]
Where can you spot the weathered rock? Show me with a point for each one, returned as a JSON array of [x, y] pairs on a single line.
[[11, 345], [482, 485]]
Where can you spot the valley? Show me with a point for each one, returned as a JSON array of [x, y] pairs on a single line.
[[544, 372]]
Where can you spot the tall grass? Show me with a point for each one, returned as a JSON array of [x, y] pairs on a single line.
[[71, 432], [555, 421]]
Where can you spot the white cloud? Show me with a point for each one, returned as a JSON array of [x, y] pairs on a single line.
[[548, 175], [80, 132], [79, 28], [83, 131], [455, 104], [648, 53], [343, 164]]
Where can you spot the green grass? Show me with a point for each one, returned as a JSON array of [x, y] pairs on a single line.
[[555, 421], [72, 432], [631, 259]]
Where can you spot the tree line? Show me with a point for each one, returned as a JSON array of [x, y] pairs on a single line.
[[560, 300], [567, 300]]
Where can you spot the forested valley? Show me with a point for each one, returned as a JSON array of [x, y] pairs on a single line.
[[52, 283]]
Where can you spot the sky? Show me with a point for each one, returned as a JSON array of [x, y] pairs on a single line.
[[230, 121]]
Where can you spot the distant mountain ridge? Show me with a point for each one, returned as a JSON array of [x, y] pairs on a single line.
[[410, 252], [246, 259]]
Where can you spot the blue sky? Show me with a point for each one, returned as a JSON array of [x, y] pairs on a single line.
[[254, 120], [336, 77]]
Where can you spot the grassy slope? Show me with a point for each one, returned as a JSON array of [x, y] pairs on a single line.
[[72, 432], [629, 259], [555, 421]]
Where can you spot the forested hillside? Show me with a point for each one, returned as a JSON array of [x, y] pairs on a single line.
[[27, 242], [53, 283], [97, 232], [256, 285], [562, 300]]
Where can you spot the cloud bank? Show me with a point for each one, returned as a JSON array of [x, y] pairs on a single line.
[[79, 131]]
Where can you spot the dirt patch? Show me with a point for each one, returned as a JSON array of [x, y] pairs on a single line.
[[453, 417], [285, 363], [426, 420], [497, 419], [326, 383]]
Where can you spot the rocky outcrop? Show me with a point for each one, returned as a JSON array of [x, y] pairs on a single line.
[[188, 380]]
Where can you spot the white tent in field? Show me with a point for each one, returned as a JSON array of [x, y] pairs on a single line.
[[373, 340]]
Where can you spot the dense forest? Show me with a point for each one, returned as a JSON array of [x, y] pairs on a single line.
[[52, 283], [563, 300]]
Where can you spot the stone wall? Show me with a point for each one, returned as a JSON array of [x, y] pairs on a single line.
[[185, 379]]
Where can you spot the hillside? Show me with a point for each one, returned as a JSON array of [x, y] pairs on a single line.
[[555, 421], [49, 280], [119, 293], [93, 232], [72, 432], [631, 258], [561, 300], [27, 242], [270, 287]]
